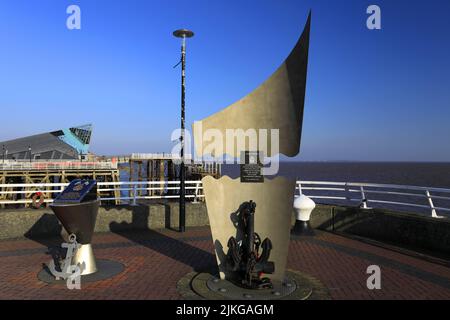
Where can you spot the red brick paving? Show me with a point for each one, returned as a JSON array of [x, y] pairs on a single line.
[[155, 261]]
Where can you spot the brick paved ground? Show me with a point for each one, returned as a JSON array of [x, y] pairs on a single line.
[[155, 260]]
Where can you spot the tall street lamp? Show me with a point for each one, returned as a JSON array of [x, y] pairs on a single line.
[[183, 34], [29, 150]]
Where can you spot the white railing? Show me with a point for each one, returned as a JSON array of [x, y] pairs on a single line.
[[194, 190], [23, 165], [372, 194], [134, 189], [364, 195], [158, 156]]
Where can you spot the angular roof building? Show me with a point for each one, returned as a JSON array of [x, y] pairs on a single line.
[[65, 144]]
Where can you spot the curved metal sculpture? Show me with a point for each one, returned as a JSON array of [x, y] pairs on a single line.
[[276, 104], [79, 219], [76, 207]]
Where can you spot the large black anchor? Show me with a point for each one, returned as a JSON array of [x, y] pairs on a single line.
[[243, 257]]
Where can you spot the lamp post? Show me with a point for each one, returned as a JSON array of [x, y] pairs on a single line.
[[3, 149], [183, 34], [29, 150]]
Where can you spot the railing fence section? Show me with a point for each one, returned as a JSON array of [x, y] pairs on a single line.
[[428, 200]]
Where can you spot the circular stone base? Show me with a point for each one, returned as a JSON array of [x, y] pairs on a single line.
[[298, 286], [106, 269]]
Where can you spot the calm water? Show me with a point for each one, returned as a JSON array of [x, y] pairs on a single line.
[[414, 174], [407, 173], [402, 173]]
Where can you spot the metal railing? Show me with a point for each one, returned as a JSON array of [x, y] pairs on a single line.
[[158, 156], [23, 165], [398, 197], [134, 189], [166, 190]]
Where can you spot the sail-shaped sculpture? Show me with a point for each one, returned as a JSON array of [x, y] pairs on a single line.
[[276, 104]]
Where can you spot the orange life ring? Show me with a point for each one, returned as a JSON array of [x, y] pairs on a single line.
[[38, 204]]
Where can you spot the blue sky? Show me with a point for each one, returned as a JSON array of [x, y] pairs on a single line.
[[371, 95]]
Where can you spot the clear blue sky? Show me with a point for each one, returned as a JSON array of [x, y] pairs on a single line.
[[371, 95]]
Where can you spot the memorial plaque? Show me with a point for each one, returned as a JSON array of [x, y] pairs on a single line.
[[78, 191], [251, 167]]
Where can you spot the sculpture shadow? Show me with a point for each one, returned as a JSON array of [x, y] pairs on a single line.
[[46, 230], [178, 249], [47, 225]]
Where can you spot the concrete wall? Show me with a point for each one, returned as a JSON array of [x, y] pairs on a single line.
[[404, 230], [43, 223], [400, 229]]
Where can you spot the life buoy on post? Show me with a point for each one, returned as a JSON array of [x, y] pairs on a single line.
[[37, 204]]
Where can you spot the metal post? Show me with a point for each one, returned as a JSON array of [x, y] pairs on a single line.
[[430, 201], [183, 34], [3, 149], [29, 150], [363, 198], [197, 186], [134, 195]]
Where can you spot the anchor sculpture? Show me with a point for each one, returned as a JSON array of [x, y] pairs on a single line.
[[244, 258]]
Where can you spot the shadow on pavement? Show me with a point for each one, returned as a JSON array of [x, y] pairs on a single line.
[[177, 249]]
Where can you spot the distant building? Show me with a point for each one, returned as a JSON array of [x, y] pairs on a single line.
[[72, 143]]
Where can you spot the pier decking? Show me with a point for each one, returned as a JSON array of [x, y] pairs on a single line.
[[155, 261]]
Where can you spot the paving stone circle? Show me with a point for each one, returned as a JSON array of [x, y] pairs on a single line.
[[208, 286]]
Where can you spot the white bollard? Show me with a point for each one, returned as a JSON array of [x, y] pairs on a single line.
[[303, 207]]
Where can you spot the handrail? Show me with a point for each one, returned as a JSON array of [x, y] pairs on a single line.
[[366, 189], [363, 194], [13, 165], [132, 187]]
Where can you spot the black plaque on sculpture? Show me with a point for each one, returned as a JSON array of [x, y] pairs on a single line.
[[251, 167], [78, 191], [77, 207]]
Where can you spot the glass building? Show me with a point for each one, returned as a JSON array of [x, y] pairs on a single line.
[[71, 143]]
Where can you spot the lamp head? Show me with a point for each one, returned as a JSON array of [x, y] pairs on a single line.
[[183, 33]]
